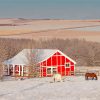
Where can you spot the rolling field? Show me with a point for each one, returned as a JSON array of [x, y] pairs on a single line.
[[48, 29]]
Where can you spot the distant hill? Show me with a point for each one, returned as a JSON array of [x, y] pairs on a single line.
[[48, 29]]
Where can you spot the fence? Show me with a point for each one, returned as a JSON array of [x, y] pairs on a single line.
[[81, 70]]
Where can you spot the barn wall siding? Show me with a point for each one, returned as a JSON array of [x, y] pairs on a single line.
[[59, 61]]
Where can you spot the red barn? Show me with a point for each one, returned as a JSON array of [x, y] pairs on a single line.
[[50, 61]]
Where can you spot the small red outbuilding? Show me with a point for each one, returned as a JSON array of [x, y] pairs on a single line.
[[50, 61], [58, 62]]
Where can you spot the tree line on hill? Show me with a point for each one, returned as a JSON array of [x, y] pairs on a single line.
[[85, 53]]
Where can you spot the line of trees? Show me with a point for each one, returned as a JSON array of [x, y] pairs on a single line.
[[83, 52]]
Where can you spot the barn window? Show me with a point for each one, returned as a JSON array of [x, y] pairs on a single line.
[[48, 70], [51, 70], [67, 65], [54, 70]]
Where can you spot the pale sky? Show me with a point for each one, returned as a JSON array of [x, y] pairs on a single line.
[[50, 9]]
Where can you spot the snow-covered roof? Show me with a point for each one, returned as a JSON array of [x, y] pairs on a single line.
[[22, 58]]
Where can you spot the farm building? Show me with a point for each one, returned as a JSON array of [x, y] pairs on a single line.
[[50, 61]]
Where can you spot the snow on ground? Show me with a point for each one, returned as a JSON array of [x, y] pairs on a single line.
[[73, 88]]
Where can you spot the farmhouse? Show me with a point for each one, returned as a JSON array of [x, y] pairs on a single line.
[[50, 61]]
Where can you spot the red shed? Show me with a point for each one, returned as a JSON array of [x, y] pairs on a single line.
[[58, 62], [49, 61]]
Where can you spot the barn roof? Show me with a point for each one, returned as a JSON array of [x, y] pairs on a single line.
[[39, 55]]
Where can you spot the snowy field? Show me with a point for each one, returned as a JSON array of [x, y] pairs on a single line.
[[73, 88]]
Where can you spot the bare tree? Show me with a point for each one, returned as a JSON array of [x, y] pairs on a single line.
[[32, 63]]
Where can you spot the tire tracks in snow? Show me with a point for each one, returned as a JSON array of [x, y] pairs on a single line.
[[22, 90]]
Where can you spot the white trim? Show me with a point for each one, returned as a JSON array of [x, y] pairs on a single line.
[[57, 62], [40, 70], [19, 70], [13, 70], [46, 71], [61, 64], [22, 73], [50, 66], [74, 69], [67, 57], [46, 67], [65, 67]]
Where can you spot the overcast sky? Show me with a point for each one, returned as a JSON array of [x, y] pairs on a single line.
[[50, 9]]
